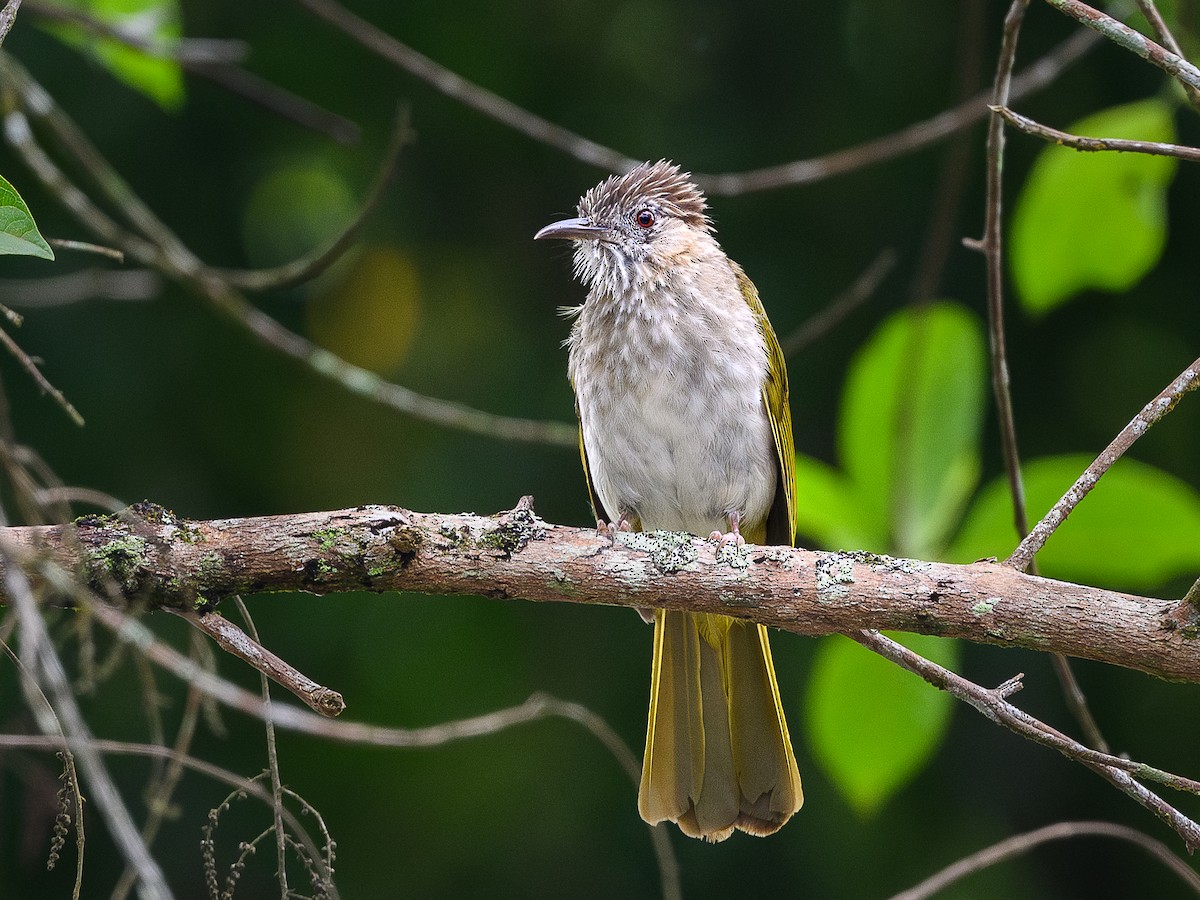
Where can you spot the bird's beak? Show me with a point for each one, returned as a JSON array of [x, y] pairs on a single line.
[[572, 230]]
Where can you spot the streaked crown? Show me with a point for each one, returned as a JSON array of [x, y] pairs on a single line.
[[659, 184]]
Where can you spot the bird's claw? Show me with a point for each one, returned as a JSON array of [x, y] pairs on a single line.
[[732, 536], [609, 530]]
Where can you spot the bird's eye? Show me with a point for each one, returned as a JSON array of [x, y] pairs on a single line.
[[644, 218]]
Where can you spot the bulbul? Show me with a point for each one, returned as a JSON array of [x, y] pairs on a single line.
[[682, 398]]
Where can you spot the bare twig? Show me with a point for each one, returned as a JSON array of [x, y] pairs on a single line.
[[70, 792], [1095, 144], [1134, 41], [993, 250], [466, 92], [1167, 39], [39, 379], [992, 247], [279, 101], [181, 50], [991, 703], [864, 286], [956, 164], [86, 247], [1111, 768], [159, 793], [309, 267], [233, 640], [586, 150], [907, 140], [41, 660], [1019, 844], [166, 253], [63, 494], [8, 16], [272, 762], [75, 287], [538, 706], [172, 756], [1151, 413], [214, 59]]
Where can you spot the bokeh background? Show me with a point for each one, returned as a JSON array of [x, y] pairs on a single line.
[[447, 294]]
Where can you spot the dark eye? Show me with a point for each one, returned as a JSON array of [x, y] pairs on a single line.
[[644, 218]]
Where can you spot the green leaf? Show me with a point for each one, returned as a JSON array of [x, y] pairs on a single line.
[[830, 510], [156, 21], [18, 233], [909, 425], [1138, 528], [1093, 220], [872, 725]]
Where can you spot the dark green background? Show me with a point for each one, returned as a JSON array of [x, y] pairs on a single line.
[[185, 409]]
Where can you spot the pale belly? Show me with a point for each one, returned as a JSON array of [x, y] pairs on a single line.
[[681, 452]]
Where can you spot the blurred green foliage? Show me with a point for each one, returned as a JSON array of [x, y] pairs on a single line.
[[1094, 220], [872, 725], [155, 25], [448, 295]]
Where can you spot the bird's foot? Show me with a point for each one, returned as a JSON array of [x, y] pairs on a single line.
[[732, 536], [609, 530]]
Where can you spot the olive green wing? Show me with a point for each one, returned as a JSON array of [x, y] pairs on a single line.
[[781, 520], [598, 510]]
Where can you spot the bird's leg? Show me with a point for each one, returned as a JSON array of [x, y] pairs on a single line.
[[610, 530], [733, 536]]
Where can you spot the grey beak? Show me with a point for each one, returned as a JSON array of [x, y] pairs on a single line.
[[572, 230]]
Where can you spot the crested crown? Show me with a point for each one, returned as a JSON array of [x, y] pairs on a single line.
[[661, 183]]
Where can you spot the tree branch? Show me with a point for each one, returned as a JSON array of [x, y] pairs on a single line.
[[153, 557]]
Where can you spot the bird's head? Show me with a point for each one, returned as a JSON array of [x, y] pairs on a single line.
[[635, 227]]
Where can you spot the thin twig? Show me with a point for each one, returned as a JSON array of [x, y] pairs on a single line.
[[36, 374], [1134, 41], [35, 695], [172, 756], [537, 706], [1167, 39], [233, 640], [576, 712], [861, 290], [84, 284], [1077, 702], [162, 787], [180, 50], [1095, 144], [806, 171], [1019, 844], [279, 101], [955, 166], [309, 267], [70, 494], [272, 760], [466, 92], [907, 140], [216, 60], [87, 247], [993, 249], [166, 253], [1111, 768], [1152, 412], [41, 659], [8, 17]]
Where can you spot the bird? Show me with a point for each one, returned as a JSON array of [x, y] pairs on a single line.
[[682, 398]]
